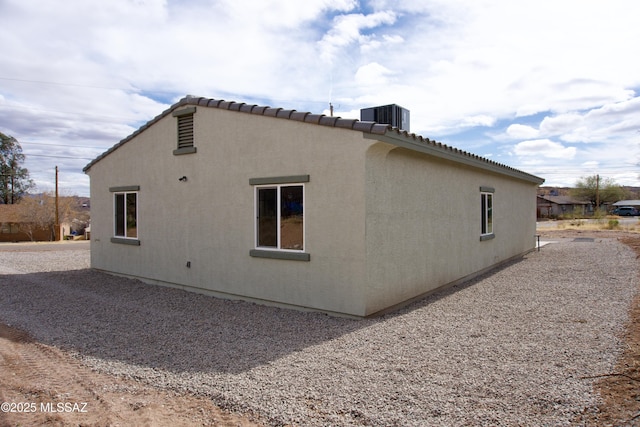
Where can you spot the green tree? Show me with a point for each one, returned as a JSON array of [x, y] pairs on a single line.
[[14, 179], [595, 188]]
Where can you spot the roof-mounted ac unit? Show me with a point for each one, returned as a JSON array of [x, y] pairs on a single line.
[[393, 115]]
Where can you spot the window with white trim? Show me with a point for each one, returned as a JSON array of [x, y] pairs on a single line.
[[125, 205], [486, 203], [280, 217]]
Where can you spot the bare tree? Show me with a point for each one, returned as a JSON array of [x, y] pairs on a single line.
[[38, 213]]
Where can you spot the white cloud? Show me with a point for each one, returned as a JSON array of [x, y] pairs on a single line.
[[282, 13], [478, 120], [87, 73], [347, 29], [529, 110], [591, 164], [544, 148], [563, 123], [372, 74], [616, 123], [518, 131]]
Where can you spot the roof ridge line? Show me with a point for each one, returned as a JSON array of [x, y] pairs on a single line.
[[281, 113], [369, 127]]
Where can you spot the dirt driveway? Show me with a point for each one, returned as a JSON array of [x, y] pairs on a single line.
[[37, 382], [620, 390]]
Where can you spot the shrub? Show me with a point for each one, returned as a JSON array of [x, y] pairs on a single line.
[[613, 223]]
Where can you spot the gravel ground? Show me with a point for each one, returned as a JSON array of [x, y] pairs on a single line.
[[514, 347]]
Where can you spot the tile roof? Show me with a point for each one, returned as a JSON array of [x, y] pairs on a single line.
[[367, 127]]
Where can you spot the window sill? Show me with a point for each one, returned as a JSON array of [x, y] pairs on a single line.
[[186, 150], [487, 237], [132, 242], [292, 256]]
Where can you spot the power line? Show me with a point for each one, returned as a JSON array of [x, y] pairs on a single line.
[[561, 169], [59, 83], [227, 95], [62, 113], [57, 157], [564, 171], [62, 145]]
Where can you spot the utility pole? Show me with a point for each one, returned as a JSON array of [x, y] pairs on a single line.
[[57, 217], [597, 192]]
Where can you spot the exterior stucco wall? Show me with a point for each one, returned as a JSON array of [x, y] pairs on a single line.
[[208, 220], [383, 224], [423, 223]]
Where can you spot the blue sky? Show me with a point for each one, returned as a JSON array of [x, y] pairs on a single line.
[[549, 87]]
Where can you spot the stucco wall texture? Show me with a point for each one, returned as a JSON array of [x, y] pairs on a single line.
[[383, 224]]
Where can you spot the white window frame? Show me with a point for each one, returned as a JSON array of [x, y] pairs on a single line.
[[115, 225], [278, 188], [486, 226]]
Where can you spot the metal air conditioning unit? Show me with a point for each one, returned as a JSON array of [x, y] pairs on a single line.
[[393, 115]]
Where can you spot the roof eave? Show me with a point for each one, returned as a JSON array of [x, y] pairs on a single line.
[[438, 150]]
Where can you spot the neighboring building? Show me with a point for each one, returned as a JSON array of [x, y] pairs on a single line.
[[301, 210], [632, 203], [560, 206], [32, 219], [14, 229]]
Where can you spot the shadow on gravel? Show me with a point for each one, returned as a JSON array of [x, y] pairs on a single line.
[[114, 318]]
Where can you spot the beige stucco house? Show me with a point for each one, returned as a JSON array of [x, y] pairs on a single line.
[[301, 210]]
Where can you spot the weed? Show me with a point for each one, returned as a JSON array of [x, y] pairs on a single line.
[[613, 224]]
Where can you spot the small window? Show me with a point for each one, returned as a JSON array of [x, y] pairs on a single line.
[[185, 143], [126, 215], [486, 202], [280, 217], [9, 228]]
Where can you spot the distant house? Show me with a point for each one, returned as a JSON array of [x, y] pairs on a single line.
[[632, 203], [301, 210], [549, 206], [14, 229]]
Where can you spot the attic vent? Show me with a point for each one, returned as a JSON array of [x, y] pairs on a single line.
[[185, 131]]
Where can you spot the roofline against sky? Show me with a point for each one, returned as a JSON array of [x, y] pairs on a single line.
[[370, 130], [414, 142]]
